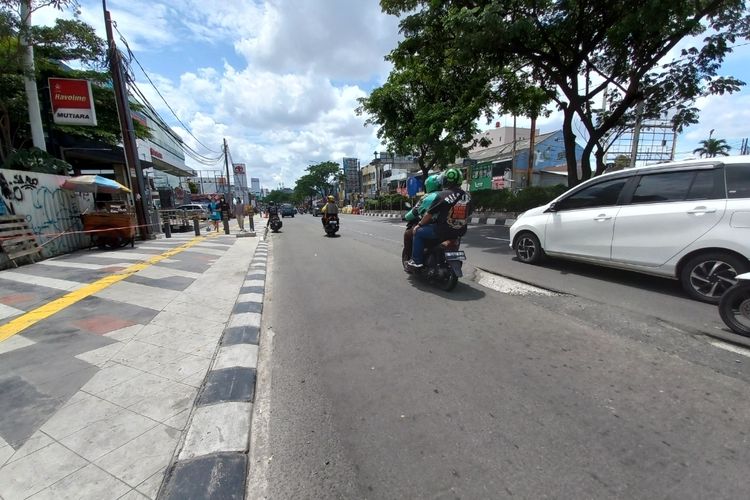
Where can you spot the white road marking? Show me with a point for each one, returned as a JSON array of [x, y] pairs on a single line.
[[731, 348], [499, 239], [509, 286]]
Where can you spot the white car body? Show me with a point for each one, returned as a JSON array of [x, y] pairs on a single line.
[[642, 231]]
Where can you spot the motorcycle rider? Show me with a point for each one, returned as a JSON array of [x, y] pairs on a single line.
[[272, 211], [431, 187], [449, 211], [330, 208]]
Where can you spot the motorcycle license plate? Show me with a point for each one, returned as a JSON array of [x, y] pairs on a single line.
[[460, 255]]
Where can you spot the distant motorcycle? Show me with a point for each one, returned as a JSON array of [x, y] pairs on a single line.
[[332, 225], [734, 306], [275, 224], [443, 261]]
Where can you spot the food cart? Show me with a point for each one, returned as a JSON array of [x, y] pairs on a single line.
[[110, 224]]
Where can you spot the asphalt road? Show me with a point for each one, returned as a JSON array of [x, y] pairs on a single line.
[[376, 385]]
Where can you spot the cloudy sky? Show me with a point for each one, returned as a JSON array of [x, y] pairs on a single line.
[[279, 79]]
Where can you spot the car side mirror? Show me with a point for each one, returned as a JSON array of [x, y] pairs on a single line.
[[552, 207]]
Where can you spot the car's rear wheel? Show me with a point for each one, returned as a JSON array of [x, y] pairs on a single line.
[[707, 276], [528, 248]]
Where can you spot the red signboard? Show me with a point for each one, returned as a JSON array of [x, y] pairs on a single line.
[[239, 168], [72, 101]]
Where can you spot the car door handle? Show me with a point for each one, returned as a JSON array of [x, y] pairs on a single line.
[[602, 217], [701, 210]]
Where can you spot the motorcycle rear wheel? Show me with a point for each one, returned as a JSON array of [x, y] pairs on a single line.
[[450, 282], [734, 309]]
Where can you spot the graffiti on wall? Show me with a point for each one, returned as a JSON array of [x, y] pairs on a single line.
[[52, 212]]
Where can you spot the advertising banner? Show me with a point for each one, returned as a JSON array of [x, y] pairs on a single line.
[[72, 102]]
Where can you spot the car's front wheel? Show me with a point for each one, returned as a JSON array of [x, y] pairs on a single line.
[[528, 248], [707, 276]]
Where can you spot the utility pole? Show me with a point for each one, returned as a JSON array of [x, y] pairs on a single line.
[[530, 167], [229, 184], [637, 133], [132, 163], [29, 78]]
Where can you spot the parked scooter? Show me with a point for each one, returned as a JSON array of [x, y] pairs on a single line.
[[442, 261], [734, 306], [332, 225]]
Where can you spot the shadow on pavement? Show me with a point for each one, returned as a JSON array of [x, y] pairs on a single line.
[[462, 293]]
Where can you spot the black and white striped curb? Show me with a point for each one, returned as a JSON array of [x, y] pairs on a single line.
[[213, 459], [492, 221]]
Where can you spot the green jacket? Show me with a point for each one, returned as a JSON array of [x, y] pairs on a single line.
[[418, 211]]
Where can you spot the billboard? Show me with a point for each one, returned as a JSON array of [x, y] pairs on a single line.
[[351, 174], [72, 101]]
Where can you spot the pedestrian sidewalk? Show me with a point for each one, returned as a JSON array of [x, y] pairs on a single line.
[[102, 356]]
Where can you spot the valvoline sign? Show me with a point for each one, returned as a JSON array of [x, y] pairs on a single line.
[[72, 101]]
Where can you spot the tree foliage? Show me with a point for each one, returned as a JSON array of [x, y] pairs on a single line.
[[429, 105], [580, 53], [711, 148], [319, 179], [66, 41]]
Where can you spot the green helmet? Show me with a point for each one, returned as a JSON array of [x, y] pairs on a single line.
[[432, 183], [452, 176]]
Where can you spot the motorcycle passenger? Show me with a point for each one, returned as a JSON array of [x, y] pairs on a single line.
[[431, 187], [330, 208], [449, 211]]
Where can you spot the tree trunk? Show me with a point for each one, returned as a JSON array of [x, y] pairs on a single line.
[[569, 139]]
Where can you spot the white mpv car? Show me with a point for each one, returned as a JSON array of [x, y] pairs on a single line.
[[686, 220]]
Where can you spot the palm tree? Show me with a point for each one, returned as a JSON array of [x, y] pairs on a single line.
[[713, 147]]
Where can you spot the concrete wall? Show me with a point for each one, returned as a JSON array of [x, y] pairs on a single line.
[[49, 209]]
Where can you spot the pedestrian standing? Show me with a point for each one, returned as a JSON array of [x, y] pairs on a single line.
[[239, 212], [215, 213]]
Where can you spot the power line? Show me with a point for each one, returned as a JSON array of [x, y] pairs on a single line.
[[161, 124], [131, 55]]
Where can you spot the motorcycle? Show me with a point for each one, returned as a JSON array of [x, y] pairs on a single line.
[[332, 225], [734, 306], [443, 261], [275, 224]]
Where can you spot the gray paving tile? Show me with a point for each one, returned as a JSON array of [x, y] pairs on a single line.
[[62, 273], [172, 283], [41, 294], [230, 384], [241, 335], [194, 266], [216, 476], [25, 409], [245, 307]]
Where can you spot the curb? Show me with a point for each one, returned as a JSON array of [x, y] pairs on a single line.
[[212, 460]]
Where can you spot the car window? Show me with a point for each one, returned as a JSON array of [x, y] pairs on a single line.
[[602, 194], [704, 186], [738, 181], [668, 186]]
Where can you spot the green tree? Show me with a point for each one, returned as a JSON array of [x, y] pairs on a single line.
[[65, 41], [429, 105], [711, 148], [587, 51], [279, 196], [321, 177]]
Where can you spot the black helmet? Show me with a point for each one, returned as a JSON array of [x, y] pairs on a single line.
[[271, 203]]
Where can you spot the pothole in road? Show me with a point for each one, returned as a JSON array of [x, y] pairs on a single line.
[[510, 286]]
